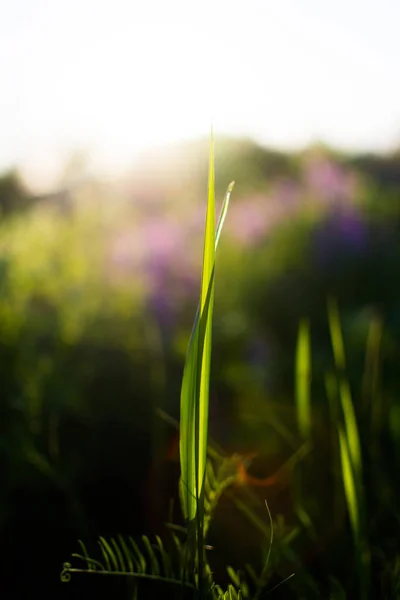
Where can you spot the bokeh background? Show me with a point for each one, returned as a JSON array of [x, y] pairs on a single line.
[[105, 111]]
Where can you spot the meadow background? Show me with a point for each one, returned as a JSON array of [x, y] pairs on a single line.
[[99, 286], [105, 111]]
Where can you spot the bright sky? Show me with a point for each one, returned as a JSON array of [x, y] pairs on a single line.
[[116, 76]]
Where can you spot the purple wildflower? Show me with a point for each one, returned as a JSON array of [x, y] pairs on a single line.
[[248, 221], [329, 181], [288, 194]]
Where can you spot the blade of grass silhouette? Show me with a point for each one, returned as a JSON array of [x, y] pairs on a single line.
[[213, 449], [194, 408], [194, 342]]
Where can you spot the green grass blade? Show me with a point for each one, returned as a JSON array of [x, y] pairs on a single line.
[[336, 335], [221, 221], [303, 377], [352, 434], [350, 421], [350, 486], [195, 383], [224, 210], [189, 382], [350, 454]]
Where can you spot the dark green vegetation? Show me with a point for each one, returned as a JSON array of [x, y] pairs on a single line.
[[96, 307]]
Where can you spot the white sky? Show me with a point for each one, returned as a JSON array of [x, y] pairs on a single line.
[[117, 76]]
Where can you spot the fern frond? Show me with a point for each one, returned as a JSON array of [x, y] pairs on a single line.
[[124, 557], [154, 566], [140, 559], [130, 562], [165, 559]]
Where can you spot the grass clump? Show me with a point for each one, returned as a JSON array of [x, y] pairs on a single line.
[[205, 475]]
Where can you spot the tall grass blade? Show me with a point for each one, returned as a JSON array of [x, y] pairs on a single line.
[[350, 486], [354, 498], [352, 434], [336, 334], [194, 391], [350, 421], [195, 383], [303, 379], [350, 453]]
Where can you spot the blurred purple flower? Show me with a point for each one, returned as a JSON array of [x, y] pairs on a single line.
[[163, 308], [328, 180], [351, 228], [153, 244], [288, 194], [126, 253], [248, 220], [162, 240], [252, 219]]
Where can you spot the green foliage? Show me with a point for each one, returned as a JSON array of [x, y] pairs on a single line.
[[14, 198], [123, 556], [350, 452], [170, 563]]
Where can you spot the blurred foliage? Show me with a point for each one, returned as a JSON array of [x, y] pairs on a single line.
[[98, 293], [13, 195]]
